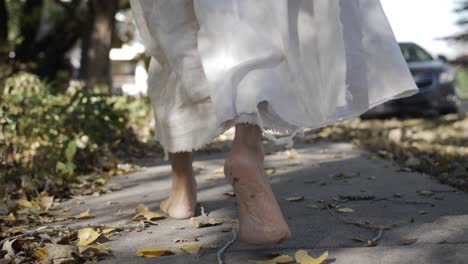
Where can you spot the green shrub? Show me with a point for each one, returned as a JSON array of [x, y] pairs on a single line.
[[50, 138]]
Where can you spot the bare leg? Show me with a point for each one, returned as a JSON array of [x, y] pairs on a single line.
[[183, 198], [261, 220]]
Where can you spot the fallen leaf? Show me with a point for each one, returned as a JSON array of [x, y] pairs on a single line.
[[107, 230], [295, 199], [153, 252], [270, 171], [344, 210], [191, 248], [293, 154], [142, 213], [101, 181], [231, 194], [302, 257], [10, 218], [203, 221], [87, 236], [277, 260], [95, 249], [28, 204], [62, 252], [46, 202], [313, 206], [41, 254], [219, 171], [8, 247], [84, 215], [425, 193]]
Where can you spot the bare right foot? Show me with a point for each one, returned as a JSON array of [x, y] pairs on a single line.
[[260, 217]]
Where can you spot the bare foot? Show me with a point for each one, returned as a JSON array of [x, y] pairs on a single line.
[[260, 217], [183, 198], [181, 202]]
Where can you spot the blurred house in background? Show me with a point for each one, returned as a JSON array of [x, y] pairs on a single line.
[[129, 74]]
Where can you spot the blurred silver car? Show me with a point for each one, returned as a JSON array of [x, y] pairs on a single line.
[[437, 83]]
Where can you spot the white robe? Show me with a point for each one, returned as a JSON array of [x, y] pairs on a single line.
[[284, 65]]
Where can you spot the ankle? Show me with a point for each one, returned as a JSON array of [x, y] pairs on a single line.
[[248, 137]]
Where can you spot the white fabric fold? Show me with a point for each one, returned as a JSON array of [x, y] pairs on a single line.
[[284, 65]]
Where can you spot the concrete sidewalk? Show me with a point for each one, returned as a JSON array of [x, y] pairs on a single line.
[[436, 219]]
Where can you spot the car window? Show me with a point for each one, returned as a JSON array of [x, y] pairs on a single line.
[[414, 53]]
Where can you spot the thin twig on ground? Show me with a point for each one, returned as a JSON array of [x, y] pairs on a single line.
[[358, 223], [404, 201], [228, 244]]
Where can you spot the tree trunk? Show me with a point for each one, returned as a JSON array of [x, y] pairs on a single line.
[[3, 23], [97, 42]]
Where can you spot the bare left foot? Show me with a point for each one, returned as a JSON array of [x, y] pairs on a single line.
[[181, 202], [183, 198]]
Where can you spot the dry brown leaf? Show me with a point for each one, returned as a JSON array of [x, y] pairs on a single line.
[[8, 247], [41, 254], [28, 204], [83, 215], [295, 199], [203, 221], [10, 218], [191, 248], [231, 194], [293, 154], [302, 257], [107, 230], [45, 202], [219, 171], [344, 210], [60, 252], [153, 252], [277, 260], [96, 249], [144, 214], [87, 236]]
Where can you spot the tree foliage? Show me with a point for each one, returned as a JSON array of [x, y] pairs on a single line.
[[462, 11]]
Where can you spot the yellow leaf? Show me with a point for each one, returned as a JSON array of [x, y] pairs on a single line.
[[219, 171], [302, 257], [141, 208], [101, 181], [27, 204], [295, 199], [84, 215], [293, 154], [191, 248], [344, 210], [99, 248], [11, 217], [86, 236], [46, 202], [277, 260], [153, 252], [41, 254], [270, 171], [107, 230], [142, 213], [231, 194]]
